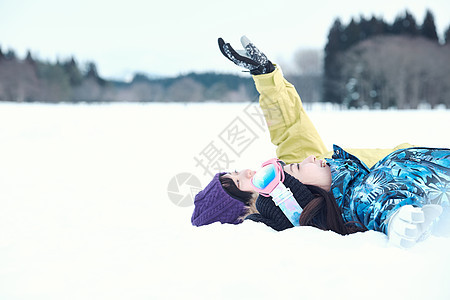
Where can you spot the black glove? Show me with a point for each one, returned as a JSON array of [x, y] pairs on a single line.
[[251, 59]]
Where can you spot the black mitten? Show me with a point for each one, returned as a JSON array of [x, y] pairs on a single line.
[[256, 55], [253, 59]]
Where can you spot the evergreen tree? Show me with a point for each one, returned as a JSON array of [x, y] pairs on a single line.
[[378, 26], [93, 74], [447, 36], [74, 73], [335, 40], [351, 34], [405, 25], [11, 55], [139, 77], [334, 45], [2, 56], [428, 28], [410, 24], [29, 58], [91, 70], [365, 30], [55, 84], [374, 27]]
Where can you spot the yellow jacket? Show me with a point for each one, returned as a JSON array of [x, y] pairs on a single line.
[[290, 128]]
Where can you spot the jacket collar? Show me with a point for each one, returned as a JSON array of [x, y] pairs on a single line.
[[340, 154]]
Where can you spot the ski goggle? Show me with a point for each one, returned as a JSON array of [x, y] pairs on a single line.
[[269, 182], [270, 175]]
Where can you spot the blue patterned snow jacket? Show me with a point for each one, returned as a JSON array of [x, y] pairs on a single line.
[[415, 176]]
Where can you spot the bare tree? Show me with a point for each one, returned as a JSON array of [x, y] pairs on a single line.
[[308, 62], [185, 90], [18, 81], [396, 71]]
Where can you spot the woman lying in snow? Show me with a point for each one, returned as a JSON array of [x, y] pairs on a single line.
[[401, 192]]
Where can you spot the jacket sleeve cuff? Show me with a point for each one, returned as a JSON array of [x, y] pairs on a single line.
[[270, 81]]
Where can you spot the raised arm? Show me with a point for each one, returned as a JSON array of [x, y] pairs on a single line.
[[290, 128]]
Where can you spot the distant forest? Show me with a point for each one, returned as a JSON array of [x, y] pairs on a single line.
[[365, 63], [374, 64]]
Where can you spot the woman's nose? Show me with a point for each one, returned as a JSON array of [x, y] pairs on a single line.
[[249, 173], [311, 158]]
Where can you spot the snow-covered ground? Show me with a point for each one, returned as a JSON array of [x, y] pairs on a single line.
[[90, 208]]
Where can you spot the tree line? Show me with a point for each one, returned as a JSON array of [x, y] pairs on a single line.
[[365, 63], [375, 64], [31, 80]]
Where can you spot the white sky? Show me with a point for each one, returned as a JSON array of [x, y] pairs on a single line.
[[170, 37]]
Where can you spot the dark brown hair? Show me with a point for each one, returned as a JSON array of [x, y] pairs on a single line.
[[323, 212], [230, 187]]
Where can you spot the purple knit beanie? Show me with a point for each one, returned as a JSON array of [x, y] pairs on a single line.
[[213, 204]]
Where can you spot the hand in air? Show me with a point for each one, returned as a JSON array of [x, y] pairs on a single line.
[[251, 58]]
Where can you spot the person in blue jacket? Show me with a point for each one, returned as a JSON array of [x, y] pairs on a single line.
[[402, 192]]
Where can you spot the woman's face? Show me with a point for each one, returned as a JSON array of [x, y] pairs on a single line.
[[310, 171], [242, 179]]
